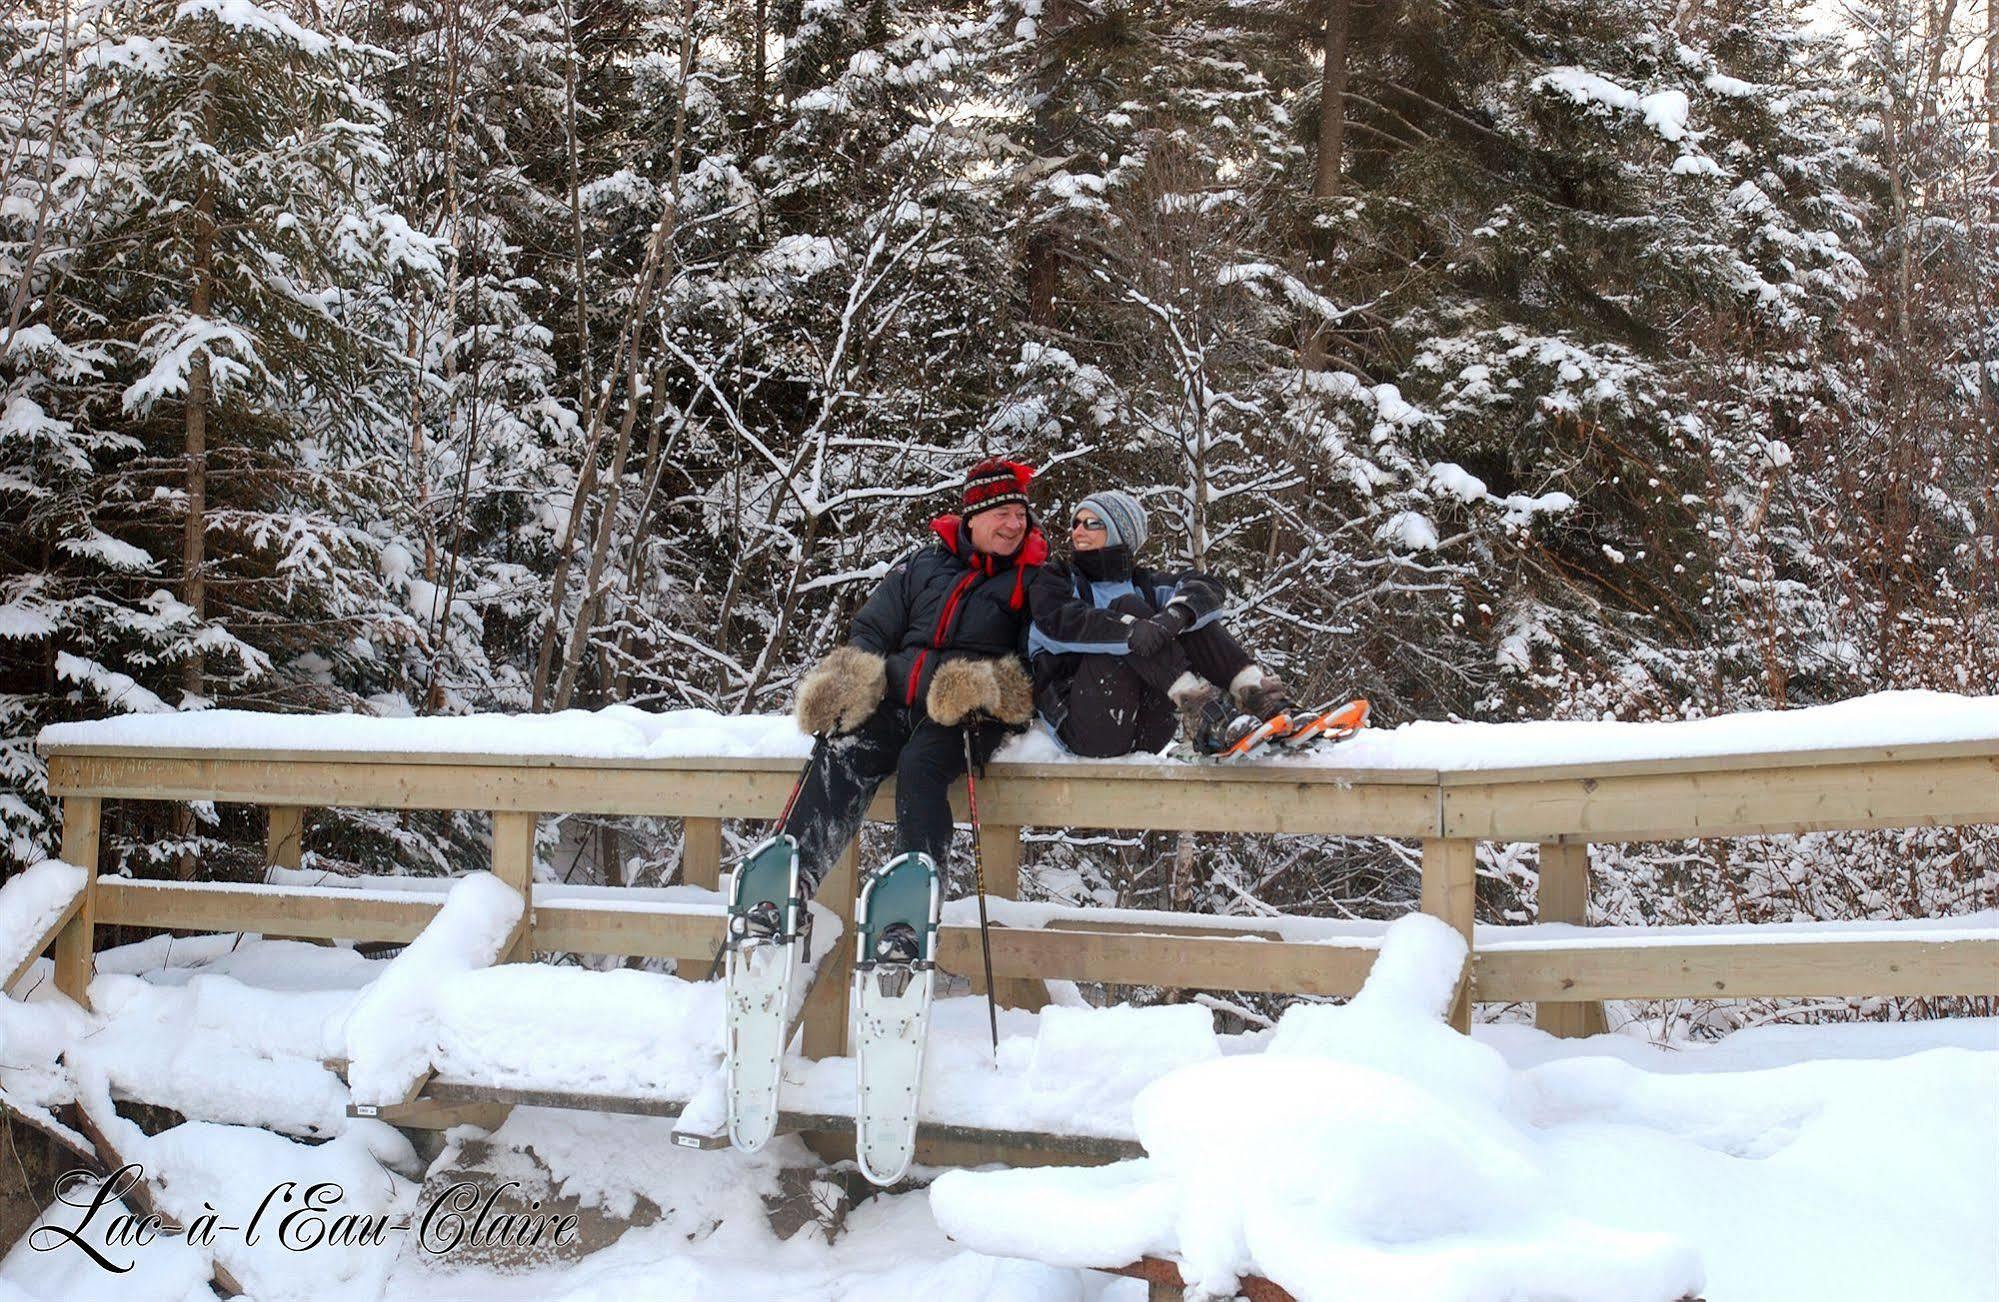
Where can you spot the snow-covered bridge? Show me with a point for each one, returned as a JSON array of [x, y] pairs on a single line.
[[1900, 759]]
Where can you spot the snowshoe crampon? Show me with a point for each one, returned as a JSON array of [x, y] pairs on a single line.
[[1299, 729], [890, 1008], [1327, 724]]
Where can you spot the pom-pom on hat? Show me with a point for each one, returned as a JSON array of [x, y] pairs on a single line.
[[994, 482], [1122, 514]]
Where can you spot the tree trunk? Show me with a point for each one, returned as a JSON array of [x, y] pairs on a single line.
[[1332, 154], [1332, 103], [1042, 266], [579, 262], [194, 538]]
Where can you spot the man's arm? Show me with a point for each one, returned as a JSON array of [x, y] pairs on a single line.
[[883, 620]]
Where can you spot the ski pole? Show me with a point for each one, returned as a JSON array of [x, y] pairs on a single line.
[[979, 878], [818, 744]]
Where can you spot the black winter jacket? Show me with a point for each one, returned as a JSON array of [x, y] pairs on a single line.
[[944, 601], [1072, 616]]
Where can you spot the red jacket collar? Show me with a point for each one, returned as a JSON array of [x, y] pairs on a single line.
[[1033, 549]]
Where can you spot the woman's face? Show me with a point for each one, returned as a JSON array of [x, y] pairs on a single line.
[[1086, 530]]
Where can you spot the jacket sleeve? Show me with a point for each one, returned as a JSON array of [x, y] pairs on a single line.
[[1200, 595], [1066, 623], [881, 624]]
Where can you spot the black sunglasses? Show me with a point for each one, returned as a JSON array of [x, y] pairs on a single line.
[[1094, 526]]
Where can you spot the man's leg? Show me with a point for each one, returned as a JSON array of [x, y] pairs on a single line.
[[931, 760], [836, 793]]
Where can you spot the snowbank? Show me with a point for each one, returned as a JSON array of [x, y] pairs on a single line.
[[30, 903], [392, 1028], [1367, 1152]]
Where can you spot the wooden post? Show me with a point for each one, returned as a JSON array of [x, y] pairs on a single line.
[[284, 837], [1564, 897], [284, 847], [701, 852], [700, 865], [513, 863], [75, 944], [826, 1012], [1450, 892], [999, 848]]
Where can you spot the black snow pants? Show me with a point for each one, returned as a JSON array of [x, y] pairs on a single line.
[[1117, 704], [924, 756]]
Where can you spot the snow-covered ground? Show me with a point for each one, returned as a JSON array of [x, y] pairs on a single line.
[[621, 732], [1362, 1151]]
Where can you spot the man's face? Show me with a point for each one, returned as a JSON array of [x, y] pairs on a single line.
[[1086, 531], [1000, 531]]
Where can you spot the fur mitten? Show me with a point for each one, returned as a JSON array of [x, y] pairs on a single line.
[[961, 688], [999, 689], [1015, 701], [841, 691]]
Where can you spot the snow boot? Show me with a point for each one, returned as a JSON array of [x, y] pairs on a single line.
[[1205, 714], [1258, 692]]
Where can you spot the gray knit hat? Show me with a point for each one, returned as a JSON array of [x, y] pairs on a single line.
[[1124, 516]]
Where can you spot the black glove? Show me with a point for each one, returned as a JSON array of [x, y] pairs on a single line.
[[1176, 618], [1132, 604], [1148, 637]]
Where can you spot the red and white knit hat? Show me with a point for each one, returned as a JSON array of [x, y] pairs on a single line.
[[994, 482]]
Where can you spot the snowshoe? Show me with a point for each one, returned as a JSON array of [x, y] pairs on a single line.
[[895, 975]]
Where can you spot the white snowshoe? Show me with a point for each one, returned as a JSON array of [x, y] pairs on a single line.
[[764, 949], [895, 975]]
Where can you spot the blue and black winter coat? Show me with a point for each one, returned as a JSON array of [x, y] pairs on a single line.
[[1086, 605]]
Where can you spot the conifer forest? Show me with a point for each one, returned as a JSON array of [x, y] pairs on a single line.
[[1551, 359]]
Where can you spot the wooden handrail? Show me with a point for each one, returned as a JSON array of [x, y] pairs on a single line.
[[1558, 805]]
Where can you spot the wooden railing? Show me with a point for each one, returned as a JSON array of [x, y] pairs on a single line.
[[1565, 809]]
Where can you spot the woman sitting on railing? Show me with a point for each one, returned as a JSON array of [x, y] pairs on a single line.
[[1118, 650]]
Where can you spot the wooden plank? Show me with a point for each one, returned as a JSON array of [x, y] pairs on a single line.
[[76, 944], [1191, 962], [1695, 969], [458, 1091], [1450, 892], [1915, 793], [430, 1114], [571, 927], [284, 836], [46, 939], [329, 912], [137, 1193], [389, 1111], [1564, 897], [1164, 1284], [1178, 927], [513, 863], [1736, 761], [1277, 769], [1202, 798]]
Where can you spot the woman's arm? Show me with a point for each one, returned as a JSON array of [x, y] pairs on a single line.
[[1065, 622]]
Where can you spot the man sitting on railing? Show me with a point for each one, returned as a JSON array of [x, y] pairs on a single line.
[[934, 651]]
